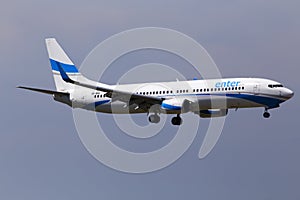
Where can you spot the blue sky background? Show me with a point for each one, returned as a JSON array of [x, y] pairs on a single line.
[[41, 156]]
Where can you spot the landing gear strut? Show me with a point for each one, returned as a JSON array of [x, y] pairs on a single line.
[[266, 114], [154, 118], [177, 120]]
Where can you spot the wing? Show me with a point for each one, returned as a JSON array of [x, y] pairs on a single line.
[[142, 101]]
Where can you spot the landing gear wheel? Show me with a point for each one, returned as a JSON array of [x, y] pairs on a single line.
[[266, 114], [154, 118], [176, 120]]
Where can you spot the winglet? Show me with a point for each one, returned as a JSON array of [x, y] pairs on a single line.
[[63, 74]]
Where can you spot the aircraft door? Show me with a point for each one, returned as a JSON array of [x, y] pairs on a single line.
[[256, 89]]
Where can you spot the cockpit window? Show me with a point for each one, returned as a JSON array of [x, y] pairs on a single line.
[[275, 85]]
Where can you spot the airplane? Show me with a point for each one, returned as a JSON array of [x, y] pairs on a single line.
[[201, 97]]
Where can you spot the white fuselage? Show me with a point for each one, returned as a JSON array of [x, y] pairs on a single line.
[[206, 94]]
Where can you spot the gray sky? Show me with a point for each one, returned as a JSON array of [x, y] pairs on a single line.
[[41, 155]]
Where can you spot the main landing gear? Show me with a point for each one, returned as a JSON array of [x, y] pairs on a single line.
[[177, 120], [266, 114], [154, 118]]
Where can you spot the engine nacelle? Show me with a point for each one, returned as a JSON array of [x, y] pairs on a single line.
[[177, 104], [171, 104], [212, 113]]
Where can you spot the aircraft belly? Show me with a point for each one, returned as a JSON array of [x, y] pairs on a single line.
[[241, 103], [223, 102], [119, 108], [211, 102]]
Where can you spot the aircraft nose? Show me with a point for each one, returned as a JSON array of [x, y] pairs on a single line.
[[291, 94], [288, 93]]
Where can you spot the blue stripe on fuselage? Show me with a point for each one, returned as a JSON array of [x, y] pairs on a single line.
[[98, 103], [270, 102], [92, 106], [67, 68]]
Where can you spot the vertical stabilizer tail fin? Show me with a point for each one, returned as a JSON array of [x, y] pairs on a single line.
[[58, 58]]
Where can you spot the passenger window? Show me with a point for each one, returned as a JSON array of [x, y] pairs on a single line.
[[200, 90], [197, 90]]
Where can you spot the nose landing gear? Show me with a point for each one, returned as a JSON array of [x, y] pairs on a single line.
[[266, 114]]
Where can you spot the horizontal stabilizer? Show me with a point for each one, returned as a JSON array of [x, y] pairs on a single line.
[[43, 90]]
